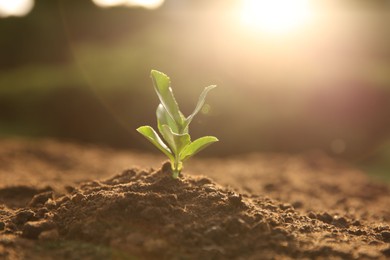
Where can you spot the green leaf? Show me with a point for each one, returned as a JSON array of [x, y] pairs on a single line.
[[153, 137], [163, 118], [175, 141], [162, 85], [201, 100], [196, 146]]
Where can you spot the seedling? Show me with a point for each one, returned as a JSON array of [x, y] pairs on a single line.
[[173, 125]]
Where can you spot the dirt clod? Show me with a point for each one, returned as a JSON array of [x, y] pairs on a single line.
[[33, 229], [386, 235], [40, 199], [22, 216], [340, 222], [386, 251], [325, 217], [236, 200]]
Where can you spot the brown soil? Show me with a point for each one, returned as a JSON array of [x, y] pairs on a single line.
[[64, 201]]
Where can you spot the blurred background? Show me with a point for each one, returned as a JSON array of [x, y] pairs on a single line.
[[292, 75]]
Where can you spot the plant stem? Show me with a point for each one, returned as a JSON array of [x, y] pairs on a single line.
[[175, 174], [177, 167]]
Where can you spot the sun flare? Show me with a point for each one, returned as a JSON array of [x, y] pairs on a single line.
[[149, 4], [276, 16], [15, 7]]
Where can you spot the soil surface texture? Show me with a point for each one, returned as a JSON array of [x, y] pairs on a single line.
[[70, 201]]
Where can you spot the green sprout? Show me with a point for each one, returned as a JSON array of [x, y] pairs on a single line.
[[173, 125]]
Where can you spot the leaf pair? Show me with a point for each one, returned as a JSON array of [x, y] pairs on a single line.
[[173, 125]]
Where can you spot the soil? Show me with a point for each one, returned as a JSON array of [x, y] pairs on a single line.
[[71, 201]]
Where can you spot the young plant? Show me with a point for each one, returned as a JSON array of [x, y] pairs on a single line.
[[173, 125]]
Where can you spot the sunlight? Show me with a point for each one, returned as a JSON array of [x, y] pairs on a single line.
[[149, 4], [15, 7], [275, 16]]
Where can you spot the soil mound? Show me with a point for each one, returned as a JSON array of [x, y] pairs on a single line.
[[148, 215]]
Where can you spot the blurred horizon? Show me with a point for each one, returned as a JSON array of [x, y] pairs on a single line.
[[292, 75]]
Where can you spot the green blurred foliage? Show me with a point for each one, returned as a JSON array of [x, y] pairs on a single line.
[[378, 164]]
